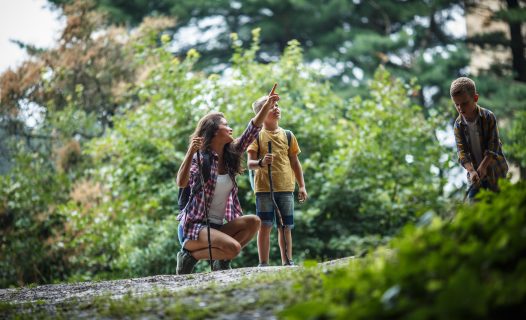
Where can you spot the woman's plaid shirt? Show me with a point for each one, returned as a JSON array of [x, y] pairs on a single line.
[[193, 215], [490, 144]]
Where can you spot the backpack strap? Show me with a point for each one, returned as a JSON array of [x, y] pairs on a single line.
[[288, 133], [207, 165], [289, 136], [257, 142]]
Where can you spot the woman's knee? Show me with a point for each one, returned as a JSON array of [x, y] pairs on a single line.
[[253, 221], [230, 247]]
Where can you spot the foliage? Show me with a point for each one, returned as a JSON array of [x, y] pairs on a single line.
[[29, 224], [348, 38], [470, 267], [123, 191], [137, 163], [502, 86], [98, 199]]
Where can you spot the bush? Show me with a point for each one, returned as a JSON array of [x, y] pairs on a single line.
[[30, 228], [472, 267]]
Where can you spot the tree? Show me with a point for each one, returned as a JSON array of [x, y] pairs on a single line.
[[76, 89], [351, 38], [502, 85]]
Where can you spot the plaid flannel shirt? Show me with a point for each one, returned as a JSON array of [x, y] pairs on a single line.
[[490, 145], [193, 215]]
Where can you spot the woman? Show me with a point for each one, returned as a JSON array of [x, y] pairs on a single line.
[[213, 139]]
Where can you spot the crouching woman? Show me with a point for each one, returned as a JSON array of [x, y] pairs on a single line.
[[213, 148]]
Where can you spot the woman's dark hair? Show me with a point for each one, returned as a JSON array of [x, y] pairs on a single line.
[[206, 128]]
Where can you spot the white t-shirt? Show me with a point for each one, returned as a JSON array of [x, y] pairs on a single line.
[[224, 185], [475, 141]]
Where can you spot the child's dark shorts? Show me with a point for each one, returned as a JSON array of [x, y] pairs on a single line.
[[265, 208]]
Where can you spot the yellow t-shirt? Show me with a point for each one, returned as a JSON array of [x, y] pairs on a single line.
[[282, 174]]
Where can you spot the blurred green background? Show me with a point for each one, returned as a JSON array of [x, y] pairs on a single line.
[[93, 130]]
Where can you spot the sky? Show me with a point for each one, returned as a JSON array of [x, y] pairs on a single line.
[[30, 21]]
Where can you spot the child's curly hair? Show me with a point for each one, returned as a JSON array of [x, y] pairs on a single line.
[[462, 85]]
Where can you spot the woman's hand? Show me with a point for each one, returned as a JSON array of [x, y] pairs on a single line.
[[183, 175], [195, 145]]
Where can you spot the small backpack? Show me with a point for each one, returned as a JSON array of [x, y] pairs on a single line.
[[252, 173], [187, 193]]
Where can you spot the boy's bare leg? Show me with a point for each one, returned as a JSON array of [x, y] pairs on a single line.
[[264, 243], [282, 244]]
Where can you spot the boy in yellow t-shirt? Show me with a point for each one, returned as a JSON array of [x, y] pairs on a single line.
[[286, 170]]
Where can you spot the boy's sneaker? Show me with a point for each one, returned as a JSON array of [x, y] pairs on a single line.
[[219, 265], [291, 264], [185, 262], [262, 265]]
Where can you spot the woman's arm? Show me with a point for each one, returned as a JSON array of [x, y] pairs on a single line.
[[183, 175]]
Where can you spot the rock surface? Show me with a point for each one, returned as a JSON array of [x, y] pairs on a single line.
[[76, 299]]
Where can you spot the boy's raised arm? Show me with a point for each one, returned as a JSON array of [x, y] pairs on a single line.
[[271, 101]]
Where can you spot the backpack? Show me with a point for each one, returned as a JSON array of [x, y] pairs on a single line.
[[252, 173], [187, 193]]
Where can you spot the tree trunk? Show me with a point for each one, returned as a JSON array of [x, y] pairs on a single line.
[[517, 45]]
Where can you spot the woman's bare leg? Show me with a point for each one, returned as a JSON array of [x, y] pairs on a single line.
[[242, 229], [224, 247], [227, 241]]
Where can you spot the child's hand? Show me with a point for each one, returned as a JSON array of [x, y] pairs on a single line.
[[482, 172], [474, 176], [273, 97], [302, 195], [267, 159]]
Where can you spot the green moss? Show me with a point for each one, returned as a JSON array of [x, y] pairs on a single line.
[[6, 306]]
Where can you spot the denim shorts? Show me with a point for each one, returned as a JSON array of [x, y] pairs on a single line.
[[180, 233], [265, 208]]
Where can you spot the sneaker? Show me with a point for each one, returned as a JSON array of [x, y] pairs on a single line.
[[185, 262], [219, 265], [263, 265], [291, 264]]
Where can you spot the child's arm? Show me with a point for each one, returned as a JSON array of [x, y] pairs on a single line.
[[269, 104], [255, 124], [298, 173], [493, 146], [463, 156], [253, 162]]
